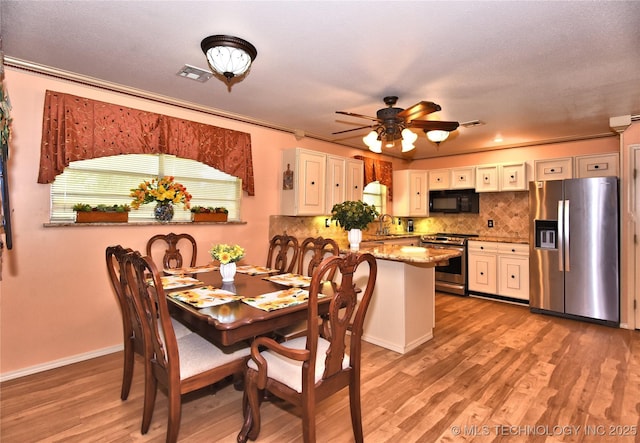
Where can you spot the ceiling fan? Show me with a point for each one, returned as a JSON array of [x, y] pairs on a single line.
[[393, 124]]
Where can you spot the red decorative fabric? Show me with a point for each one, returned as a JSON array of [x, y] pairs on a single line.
[[378, 170], [77, 128]]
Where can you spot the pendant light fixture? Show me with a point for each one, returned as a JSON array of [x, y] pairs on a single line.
[[437, 136], [228, 56], [375, 138]]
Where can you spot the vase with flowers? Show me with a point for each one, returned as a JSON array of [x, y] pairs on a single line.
[[166, 192], [354, 216], [227, 255]]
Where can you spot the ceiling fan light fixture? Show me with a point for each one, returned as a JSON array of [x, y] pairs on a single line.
[[372, 141], [408, 139], [228, 56], [437, 136]]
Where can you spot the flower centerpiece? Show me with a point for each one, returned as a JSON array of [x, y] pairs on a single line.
[[227, 255], [165, 192], [209, 213], [354, 216], [86, 213]]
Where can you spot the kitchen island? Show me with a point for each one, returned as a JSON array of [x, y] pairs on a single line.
[[401, 315]]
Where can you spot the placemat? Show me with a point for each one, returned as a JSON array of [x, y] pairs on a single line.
[[255, 270], [279, 299], [205, 296], [295, 280]]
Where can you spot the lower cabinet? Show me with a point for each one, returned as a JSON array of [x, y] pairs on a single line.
[[499, 269]]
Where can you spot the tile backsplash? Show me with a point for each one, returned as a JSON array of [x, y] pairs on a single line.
[[508, 210]]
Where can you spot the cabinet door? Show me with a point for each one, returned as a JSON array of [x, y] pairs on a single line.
[[463, 178], [354, 183], [335, 181], [513, 274], [482, 272], [601, 165], [419, 192], [439, 179], [553, 169], [487, 178], [311, 183], [513, 177]]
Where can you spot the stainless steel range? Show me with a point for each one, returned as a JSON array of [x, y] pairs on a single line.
[[453, 276]]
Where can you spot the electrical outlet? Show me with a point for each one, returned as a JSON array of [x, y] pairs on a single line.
[[399, 221], [327, 222], [490, 223]]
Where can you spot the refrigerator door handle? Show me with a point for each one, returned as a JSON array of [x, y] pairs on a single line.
[[566, 236], [560, 235]]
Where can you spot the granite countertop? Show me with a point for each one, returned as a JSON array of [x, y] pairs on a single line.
[[408, 254], [521, 240]]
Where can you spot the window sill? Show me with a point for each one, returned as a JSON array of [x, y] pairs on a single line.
[[66, 224]]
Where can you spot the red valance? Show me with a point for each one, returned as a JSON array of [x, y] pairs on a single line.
[[77, 128], [378, 170]]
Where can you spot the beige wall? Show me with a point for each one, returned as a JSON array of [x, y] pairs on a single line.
[[56, 304]]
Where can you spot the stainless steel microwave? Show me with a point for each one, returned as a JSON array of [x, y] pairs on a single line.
[[454, 201]]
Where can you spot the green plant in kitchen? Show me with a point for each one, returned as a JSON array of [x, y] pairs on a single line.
[[83, 207], [353, 214], [209, 210]]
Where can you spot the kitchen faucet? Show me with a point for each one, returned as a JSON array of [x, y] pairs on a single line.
[[383, 230]]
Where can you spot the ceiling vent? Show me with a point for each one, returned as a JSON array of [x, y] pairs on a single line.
[[472, 123], [197, 74]]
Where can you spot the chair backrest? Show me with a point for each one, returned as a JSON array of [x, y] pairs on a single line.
[[283, 253], [313, 251], [172, 257], [161, 346], [131, 325], [344, 308]]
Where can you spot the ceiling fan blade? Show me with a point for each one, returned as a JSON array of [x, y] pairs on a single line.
[[354, 129], [352, 114], [434, 125], [418, 110]]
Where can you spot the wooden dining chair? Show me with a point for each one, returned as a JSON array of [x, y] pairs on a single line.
[[131, 324], [306, 370], [172, 257], [180, 365], [311, 253], [283, 253]]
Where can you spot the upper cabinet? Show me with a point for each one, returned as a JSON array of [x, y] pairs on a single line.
[[454, 178], [312, 182], [439, 179], [553, 169], [410, 193], [501, 177], [600, 165]]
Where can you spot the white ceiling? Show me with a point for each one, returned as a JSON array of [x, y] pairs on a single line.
[[532, 71]]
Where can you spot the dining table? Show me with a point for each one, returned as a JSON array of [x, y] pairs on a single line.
[[236, 321]]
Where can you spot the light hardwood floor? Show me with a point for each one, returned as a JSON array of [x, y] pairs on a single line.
[[493, 372]]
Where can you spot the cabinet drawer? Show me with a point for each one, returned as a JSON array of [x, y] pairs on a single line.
[[513, 249], [553, 169], [482, 246], [602, 165]]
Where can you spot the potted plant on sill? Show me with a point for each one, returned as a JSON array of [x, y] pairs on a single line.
[[86, 213], [353, 217], [209, 214]]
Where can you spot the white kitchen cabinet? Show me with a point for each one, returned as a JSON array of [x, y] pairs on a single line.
[[312, 182], [482, 267], [463, 178], [487, 178], [410, 193], [513, 177], [599, 165], [499, 269], [304, 193], [354, 179], [439, 179], [513, 270], [553, 169]]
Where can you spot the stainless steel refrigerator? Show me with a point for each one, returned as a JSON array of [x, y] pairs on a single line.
[[574, 248]]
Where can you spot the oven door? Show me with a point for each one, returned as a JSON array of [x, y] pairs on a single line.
[[451, 277]]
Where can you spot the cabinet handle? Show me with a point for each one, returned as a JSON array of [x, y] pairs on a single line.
[[481, 247], [513, 250], [418, 193], [513, 276], [313, 183], [337, 184], [356, 186], [482, 273]]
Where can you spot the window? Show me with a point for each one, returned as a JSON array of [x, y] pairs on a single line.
[[376, 194], [109, 180]]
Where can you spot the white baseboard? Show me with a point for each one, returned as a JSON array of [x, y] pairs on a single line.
[[59, 363]]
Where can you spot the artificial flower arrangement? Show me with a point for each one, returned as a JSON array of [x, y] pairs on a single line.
[[160, 190], [353, 214], [86, 213], [83, 207], [227, 253]]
